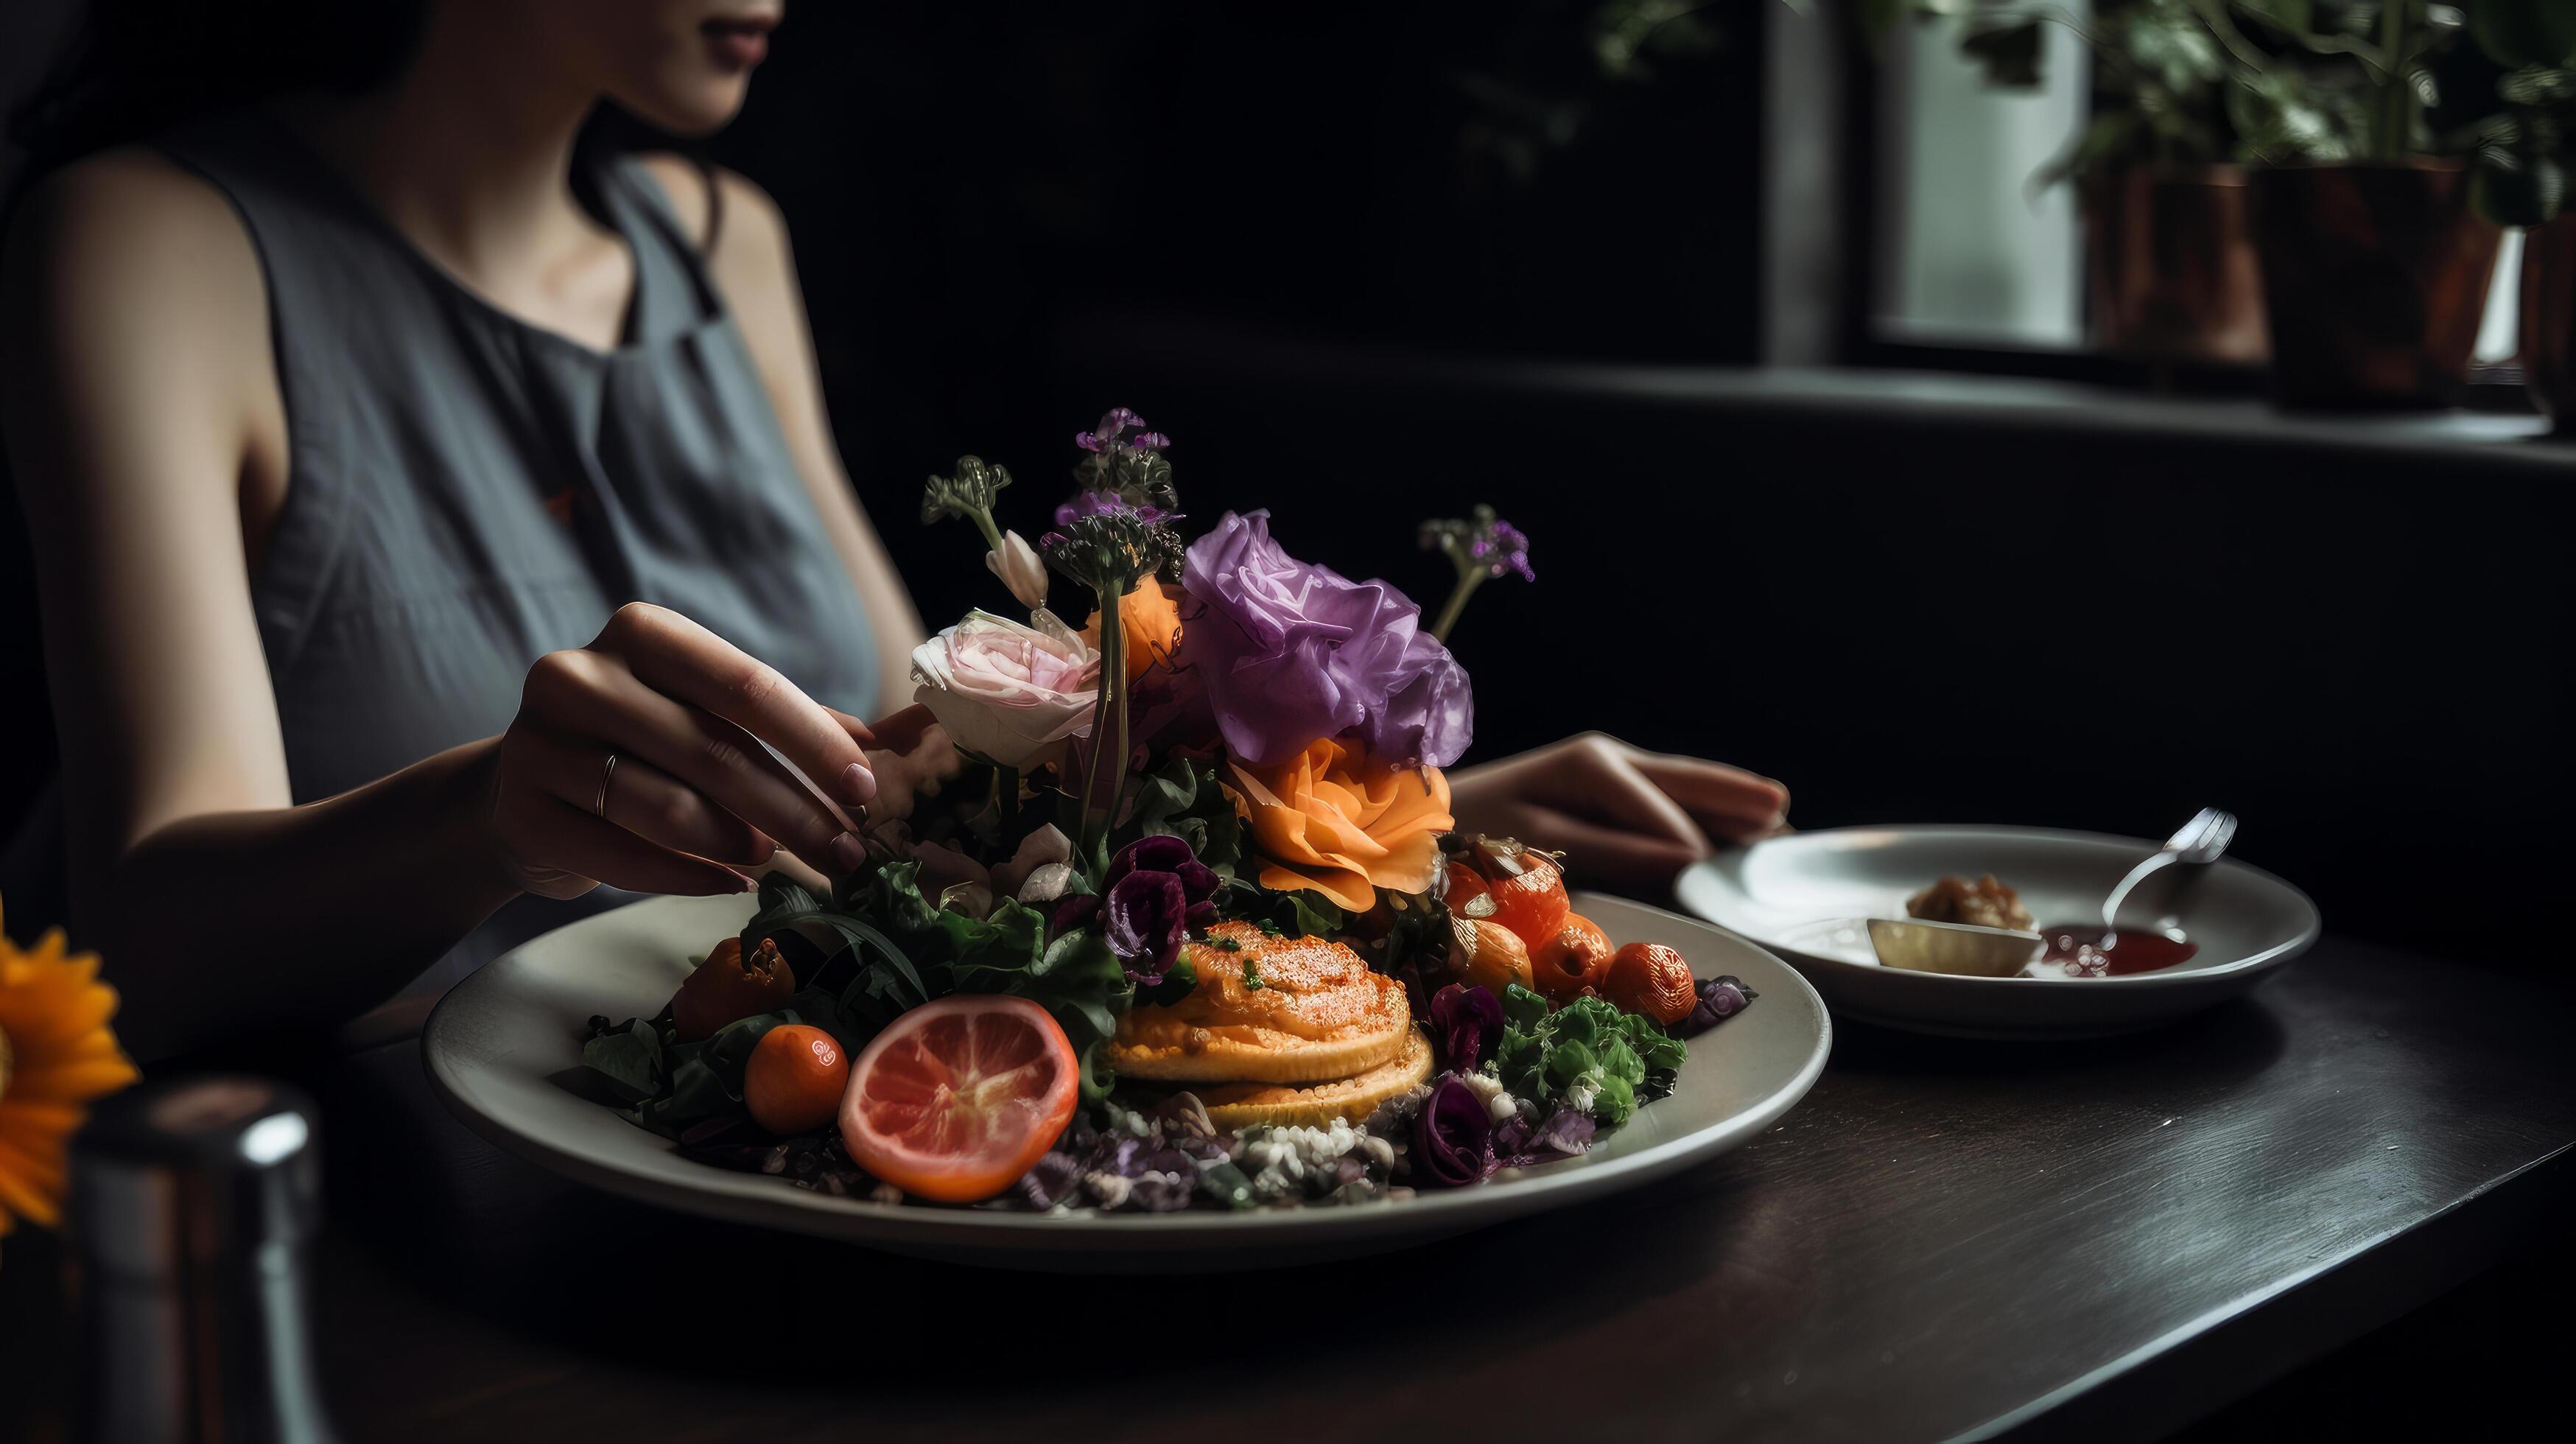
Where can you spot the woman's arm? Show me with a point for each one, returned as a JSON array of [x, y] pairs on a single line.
[[755, 268], [141, 412]]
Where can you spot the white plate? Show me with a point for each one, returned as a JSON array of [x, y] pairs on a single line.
[[1788, 894], [495, 1040]]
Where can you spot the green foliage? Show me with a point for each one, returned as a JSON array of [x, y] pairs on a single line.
[[1300, 914], [1183, 799], [1585, 1047], [668, 1086], [2525, 34], [2522, 153]]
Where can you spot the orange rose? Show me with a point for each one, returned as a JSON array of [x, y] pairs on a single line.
[[1335, 819], [1151, 620]]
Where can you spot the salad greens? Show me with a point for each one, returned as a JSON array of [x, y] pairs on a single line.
[[1587, 1055]]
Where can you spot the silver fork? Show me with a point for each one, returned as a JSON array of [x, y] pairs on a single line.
[[2178, 867]]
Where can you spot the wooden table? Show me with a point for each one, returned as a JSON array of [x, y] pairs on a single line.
[[2108, 1238]]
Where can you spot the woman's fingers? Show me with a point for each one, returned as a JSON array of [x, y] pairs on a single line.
[[679, 658], [1726, 800], [900, 732], [1595, 853], [571, 840], [637, 796], [1601, 780], [592, 695]]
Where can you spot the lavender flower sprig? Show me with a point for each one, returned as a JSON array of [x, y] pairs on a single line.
[[1482, 547], [1126, 459]]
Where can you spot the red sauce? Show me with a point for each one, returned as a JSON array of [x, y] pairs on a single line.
[[2094, 951]]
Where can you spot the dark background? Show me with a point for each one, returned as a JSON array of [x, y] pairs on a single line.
[[1372, 263]]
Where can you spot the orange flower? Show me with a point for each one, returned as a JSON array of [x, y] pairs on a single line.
[[56, 1054], [1151, 619], [1335, 819]]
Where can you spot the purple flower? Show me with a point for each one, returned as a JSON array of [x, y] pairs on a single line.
[[1154, 892], [1504, 548], [1518, 1143], [1482, 545], [1463, 1018], [1110, 503], [1113, 434], [1294, 652], [1453, 1139], [1719, 1000]]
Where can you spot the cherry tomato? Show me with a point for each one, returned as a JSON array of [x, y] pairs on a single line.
[[1652, 979], [794, 1079], [1499, 957], [1573, 962], [1533, 903], [728, 987]]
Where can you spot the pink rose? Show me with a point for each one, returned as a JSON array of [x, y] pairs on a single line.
[[1007, 692]]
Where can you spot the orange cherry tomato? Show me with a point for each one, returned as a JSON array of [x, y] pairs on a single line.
[[1652, 979], [1533, 903], [1499, 957], [794, 1079], [1574, 962], [957, 1098], [728, 987]]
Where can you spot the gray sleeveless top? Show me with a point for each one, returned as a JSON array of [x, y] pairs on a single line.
[[468, 491]]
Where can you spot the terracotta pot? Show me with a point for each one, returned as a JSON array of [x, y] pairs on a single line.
[[2169, 259], [2375, 280], [2549, 318]]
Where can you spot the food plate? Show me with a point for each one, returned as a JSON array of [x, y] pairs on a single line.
[[1795, 895], [495, 1042]]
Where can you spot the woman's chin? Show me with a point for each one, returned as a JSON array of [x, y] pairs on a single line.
[[702, 107]]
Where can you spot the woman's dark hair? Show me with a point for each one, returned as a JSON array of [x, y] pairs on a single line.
[[136, 67]]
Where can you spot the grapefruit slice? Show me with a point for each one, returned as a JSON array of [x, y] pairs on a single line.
[[957, 1098]]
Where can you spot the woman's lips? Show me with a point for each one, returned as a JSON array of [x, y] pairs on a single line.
[[738, 44]]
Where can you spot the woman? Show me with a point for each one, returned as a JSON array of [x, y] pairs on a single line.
[[431, 514]]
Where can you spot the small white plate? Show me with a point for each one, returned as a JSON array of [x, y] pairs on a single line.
[[1797, 895], [497, 1037]]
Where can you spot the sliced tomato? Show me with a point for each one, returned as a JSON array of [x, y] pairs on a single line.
[[956, 1099]]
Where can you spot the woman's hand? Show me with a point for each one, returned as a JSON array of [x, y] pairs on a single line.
[[693, 795], [1623, 814]]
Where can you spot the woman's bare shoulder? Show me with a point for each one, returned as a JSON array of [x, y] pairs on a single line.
[[128, 238], [748, 234], [131, 216]]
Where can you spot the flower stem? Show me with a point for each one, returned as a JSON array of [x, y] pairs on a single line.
[[984, 523], [1109, 738], [2395, 123], [1468, 581]]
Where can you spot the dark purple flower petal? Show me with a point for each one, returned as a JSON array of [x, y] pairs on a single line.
[[1145, 923], [1719, 999], [1161, 852], [1453, 1139], [1464, 1019], [1075, 910]]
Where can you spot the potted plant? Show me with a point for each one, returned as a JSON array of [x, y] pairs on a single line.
[[2169, 262], [2522, 166], [2375, 263]]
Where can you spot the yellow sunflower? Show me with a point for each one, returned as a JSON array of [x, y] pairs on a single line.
[[56, 1054]]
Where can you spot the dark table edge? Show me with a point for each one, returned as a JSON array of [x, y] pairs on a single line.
[[2228, 1353]]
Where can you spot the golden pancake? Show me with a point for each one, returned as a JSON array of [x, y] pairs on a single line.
[[1317, 1013], [1283, 1105]]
